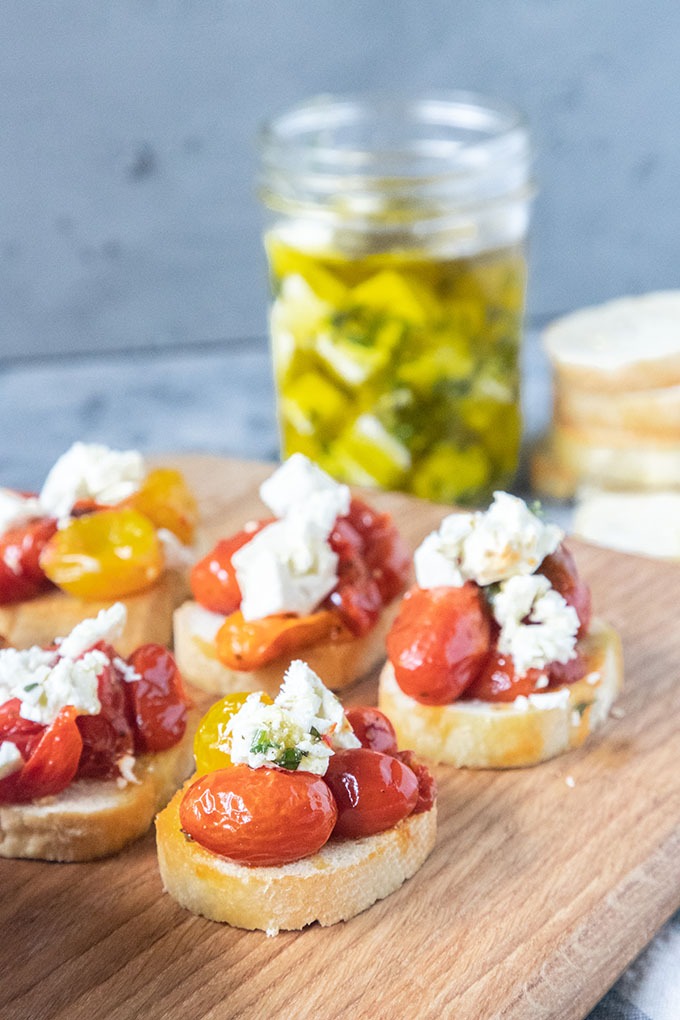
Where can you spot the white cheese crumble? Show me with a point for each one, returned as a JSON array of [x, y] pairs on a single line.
[[176, 555], [300, 730], [486, 547], [10, 758], [296, 481], [126, 768], [48, 680], [288, 567], [16, 509], [537, 625], [91, 471]]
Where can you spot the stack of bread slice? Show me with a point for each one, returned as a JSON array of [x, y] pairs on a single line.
[[616, 413]]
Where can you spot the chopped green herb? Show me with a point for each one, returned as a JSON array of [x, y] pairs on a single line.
[[30, 687], [315, 733], [581, 707], [261, 743], [290, 758]]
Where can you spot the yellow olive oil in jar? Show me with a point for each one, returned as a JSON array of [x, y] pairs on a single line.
[[396, 253]]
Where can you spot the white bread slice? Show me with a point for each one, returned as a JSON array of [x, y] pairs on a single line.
[[647, 523], [647, 413], [94, 818], [342, 879], [340, 663], [570, 457], [628, 344], [149, 615], [480, 735]]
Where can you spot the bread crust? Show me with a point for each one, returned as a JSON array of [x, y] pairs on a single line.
[[479, 735], [644, 413], [94, 818], [149, 615], [340, 663], [342, 879]]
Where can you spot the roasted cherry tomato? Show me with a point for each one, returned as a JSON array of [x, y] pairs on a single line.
[[383, 548], [264, 817], [356, 597], [211, 732], [560, 569], [21, 576], [156, 701], [104, 555], [24, 733], [213, 579], [51, 766], [498, 680], [249, 644], [567, 672], [372, 728], [165, 498], [439, 642], [108, 735], [427, 784], [373, 791]]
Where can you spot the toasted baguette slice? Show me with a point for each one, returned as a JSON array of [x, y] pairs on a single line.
[[639, 522], [571, 457], [94, 818], [149, 615], [481, 735], [340, 663], [644, 413], [342, 879], [632, 343]]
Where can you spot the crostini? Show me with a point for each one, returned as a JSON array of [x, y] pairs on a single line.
[[321, 577], [298, 812], [494, 660], [91, 744], [103, 527]]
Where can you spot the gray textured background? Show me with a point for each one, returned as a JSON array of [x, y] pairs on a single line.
[[127, 132]]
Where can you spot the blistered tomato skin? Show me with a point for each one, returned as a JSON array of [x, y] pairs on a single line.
[[210, 736], [52, 764], [21, 576], [104, 555], [560, 569], [372, 728], [439, 642], [248, 644], [165, 498], [213, 579], [384, 550], [373, 791], [157, 700], [108, 735], [498, 681], [259, 817], [427, 784]]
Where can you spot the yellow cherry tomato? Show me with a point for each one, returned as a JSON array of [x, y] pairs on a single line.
[[167, 501], [104, 555], [211, 733]]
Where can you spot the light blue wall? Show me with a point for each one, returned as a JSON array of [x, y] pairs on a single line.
[[127, 127]]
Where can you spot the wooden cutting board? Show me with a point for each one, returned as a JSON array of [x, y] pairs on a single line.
[[538, 894]]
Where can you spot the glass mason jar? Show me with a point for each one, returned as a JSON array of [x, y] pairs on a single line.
[[396, 251]]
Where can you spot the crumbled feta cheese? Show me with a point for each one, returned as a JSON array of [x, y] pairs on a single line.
[[126, 768], [107, 625], [301, 730], [176, 555], [68, 682], [537, 625], [91, 471], [288, 567], [504, 541], [128, 672], [299, 479], [16, 509], [313, 706], [10, 758]]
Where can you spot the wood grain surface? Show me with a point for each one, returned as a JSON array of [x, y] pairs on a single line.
[[536, 897]]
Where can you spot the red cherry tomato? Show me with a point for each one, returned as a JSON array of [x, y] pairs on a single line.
[[567, 672], [372, 728], [51, 766], [356, 597], [106, 736], [439, 642], [21, 576], [498, 680], [373, 791], [560, 569], [22, 732], [427, 784], [384, 550], [213, 579], [264, 817], [156, 701]]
